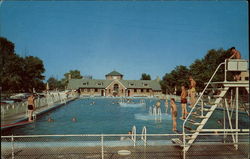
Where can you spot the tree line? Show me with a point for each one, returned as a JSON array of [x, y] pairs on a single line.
[[61, 84], [22, 74], [201, 70]]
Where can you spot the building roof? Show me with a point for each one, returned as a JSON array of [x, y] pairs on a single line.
[[141, 84], [88, 83], [114, 73], [93, 83]]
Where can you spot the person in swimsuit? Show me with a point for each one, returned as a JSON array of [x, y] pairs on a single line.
[[174, 113], [192, 91], [31, 106], [235, 55], [184, 102]]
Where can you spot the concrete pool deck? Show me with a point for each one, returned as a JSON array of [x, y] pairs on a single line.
[[149, 152], [12, 121]]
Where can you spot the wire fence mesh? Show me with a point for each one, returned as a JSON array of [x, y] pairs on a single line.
[[157, 146]]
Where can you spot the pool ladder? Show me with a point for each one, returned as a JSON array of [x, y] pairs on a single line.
[[143, 136]]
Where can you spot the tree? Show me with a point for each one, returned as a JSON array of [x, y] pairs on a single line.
[[175, 79], [203, 69], [33, 69], [19, 74], [55, 84], [72, 74], [12, 73], [145, 76], [6, 49]]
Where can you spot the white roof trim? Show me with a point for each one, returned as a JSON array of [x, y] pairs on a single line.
[[116, 81]]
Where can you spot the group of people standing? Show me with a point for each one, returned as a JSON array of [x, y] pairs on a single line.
[[192, 91], [184, 95]]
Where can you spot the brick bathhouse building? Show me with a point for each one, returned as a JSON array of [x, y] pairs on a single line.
[[115, 86]]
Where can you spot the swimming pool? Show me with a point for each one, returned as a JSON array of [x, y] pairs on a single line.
[[106, 116]]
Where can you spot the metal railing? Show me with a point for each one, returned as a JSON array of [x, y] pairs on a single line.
[[133, 135], [144, 135], [106, 146], [196, 103]]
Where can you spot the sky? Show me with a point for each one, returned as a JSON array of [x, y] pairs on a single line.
[[131, 37]]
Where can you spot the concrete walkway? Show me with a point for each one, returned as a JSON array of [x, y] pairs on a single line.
[[14, 119]]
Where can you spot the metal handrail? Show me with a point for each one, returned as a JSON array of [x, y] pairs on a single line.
[[183, 129], [133, 137], [144, 135]]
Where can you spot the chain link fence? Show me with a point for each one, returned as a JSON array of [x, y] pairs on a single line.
[[109, 146]]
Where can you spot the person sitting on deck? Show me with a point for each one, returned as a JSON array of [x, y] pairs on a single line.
[[235, 55], [174, 113]]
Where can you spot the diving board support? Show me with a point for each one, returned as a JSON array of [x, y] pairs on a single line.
[[229, 119], [237, 116]]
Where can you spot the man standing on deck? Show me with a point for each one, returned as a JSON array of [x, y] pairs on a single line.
[[235, 55], [184, 102], [31, 106], [192, 91], [174, 114]]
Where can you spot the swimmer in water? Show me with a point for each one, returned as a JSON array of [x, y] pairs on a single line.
[[50, 119], [73, 119]]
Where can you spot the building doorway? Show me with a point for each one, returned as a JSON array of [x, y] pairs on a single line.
[[116, 90], [128, 93], [102, 92]]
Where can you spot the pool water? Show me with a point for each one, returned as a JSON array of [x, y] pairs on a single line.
[[104, 116]]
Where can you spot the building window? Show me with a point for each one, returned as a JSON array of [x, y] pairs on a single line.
[[135, 90], [141, 90], [147, 90], [109, 90], [84, 84], [131, 84], [96, 90], [246, 78], [145, 84], [122, 90], [99, 84]]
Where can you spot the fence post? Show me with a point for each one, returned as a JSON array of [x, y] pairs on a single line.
[[102, 146], [12, 147]]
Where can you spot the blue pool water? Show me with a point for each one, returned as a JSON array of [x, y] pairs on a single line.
[[104, 116]]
